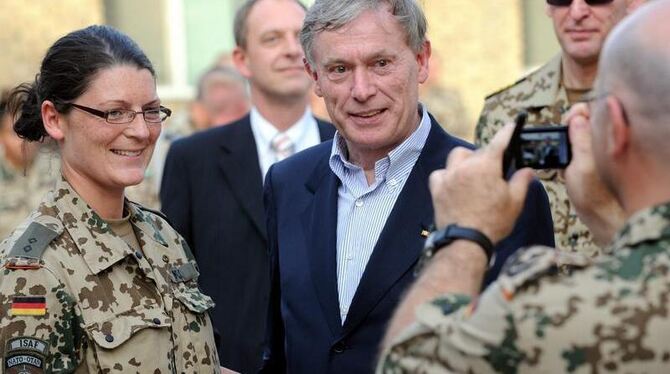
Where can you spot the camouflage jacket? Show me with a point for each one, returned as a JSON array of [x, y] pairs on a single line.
[[20, 194], [611, 315], [74, 297], [545, 99]]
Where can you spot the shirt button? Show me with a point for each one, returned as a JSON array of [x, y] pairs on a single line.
[[350, 257], [139, 254], [166, 259], [359, 203], [156, 321], [393, 182], [109, 338]]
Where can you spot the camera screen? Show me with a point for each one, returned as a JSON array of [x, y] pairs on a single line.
[[545, 149]]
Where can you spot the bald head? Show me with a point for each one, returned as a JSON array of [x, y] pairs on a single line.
[[635, 67]]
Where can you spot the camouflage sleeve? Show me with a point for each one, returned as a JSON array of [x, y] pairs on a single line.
[[455, 334], [39, 331], [491, 119]]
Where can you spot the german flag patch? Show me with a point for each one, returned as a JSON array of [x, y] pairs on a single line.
[[28, 306]]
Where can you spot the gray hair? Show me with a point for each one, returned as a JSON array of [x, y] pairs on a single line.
[[329, 15], [240, 22], [220, 74]]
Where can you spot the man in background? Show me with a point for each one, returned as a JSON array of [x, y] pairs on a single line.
[[213, 180], [222, 98], [581, 27], [25, 173]]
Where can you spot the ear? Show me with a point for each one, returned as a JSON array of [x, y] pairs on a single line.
[[422, 59], [52, 120], [240, 61], [315, 77], [618, 138]]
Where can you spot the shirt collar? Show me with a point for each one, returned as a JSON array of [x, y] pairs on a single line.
[[398, 162], [647, 225], [266, 131], [98, 244], [547, 81]]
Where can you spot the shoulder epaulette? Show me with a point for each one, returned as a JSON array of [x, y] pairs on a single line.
[[152, 211], [505, 88], [526, 266], [33, 242]]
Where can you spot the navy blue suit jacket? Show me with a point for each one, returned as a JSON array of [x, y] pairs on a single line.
[[307, 335], [212, 192]]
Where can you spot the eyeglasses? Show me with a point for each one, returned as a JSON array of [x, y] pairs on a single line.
[[120, 116], [569, 2], [592, 97]]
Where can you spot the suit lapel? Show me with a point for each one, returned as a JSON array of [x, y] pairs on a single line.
[[326, 130], [238, 161], [400, 242], [320, 222]]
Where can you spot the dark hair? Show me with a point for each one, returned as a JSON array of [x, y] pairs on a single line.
[[66, 72], [240, 22]]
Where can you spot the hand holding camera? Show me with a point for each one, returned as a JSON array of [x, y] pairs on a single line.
[[545, 147]]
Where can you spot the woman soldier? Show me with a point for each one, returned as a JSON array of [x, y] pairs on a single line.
[[93, 282]]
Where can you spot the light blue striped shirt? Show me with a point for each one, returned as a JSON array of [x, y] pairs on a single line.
[[362, 210]]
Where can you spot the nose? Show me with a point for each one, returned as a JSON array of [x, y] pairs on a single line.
[[293, 47], [363, 88], [138, 128], [579, 9]]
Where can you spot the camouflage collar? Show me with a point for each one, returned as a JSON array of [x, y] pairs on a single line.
[[98, 244], [647, 225], [551, 89]]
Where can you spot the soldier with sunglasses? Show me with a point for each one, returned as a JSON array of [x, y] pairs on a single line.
[[581, 27]]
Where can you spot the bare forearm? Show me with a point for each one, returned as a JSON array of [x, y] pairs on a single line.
[[456, 269]]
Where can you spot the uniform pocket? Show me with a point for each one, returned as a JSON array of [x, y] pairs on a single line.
[[133, 341]]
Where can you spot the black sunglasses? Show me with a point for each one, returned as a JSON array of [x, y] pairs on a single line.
[[568, 2]]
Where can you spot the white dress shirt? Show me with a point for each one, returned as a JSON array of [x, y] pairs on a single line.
[[303, 134]]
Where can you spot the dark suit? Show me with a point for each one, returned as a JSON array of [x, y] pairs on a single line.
[[212, 193], [301, 203]]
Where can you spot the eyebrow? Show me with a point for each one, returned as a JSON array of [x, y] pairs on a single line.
[[123, 102], [380, 54]]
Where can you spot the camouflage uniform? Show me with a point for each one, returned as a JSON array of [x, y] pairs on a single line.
[[545, 99], [74, 297], [609, 316], [19, 193]]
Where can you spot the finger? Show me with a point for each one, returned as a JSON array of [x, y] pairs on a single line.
[[457, 155], [500, 141], [435, 179], [518, 185], [579, 109], [579, 128]]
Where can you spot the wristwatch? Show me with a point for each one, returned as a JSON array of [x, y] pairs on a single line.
[[439, 239]]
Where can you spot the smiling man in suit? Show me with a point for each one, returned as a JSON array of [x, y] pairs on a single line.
[[212, 183], [347, 219]]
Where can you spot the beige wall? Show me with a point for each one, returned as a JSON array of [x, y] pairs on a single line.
[[479, 45], [30, 27]]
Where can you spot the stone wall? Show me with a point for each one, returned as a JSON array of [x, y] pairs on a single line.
[[478, 45], [30, 27]]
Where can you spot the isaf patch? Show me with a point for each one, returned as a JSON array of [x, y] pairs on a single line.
[[25, 355]]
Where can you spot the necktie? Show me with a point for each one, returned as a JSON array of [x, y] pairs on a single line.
[[282, 146]]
